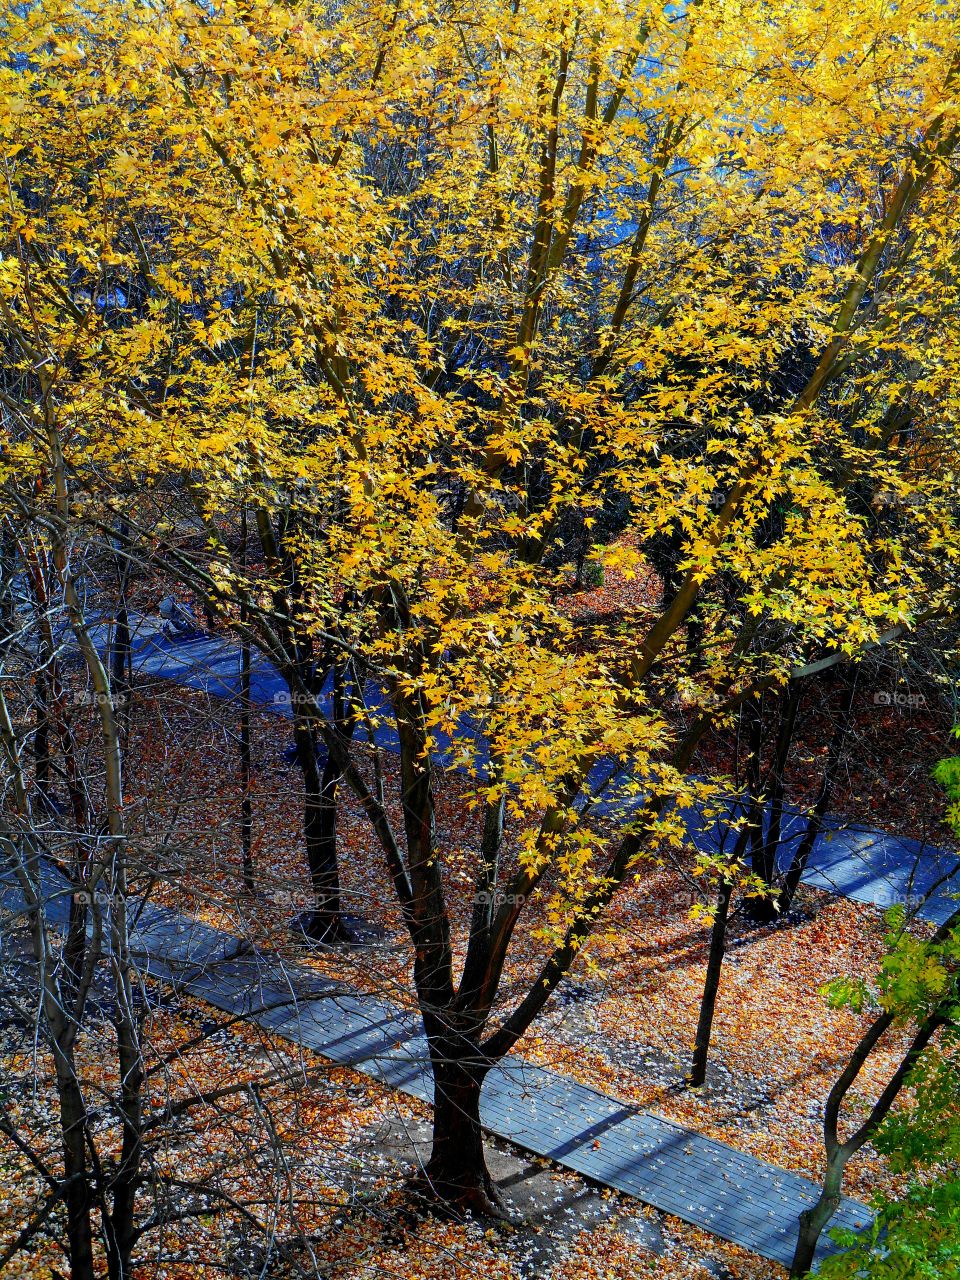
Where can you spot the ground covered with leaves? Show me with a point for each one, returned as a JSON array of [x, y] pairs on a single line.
[[335, 1204], [623, 1023]]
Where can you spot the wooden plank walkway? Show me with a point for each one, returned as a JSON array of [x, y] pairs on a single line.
[[697, 1179]]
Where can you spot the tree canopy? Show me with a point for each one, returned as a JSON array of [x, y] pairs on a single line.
[[434, 292]]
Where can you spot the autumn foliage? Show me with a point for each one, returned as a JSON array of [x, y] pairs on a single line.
[[443, 299]]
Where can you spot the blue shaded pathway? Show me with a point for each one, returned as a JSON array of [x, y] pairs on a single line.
[[867, 866], [699, 1180]]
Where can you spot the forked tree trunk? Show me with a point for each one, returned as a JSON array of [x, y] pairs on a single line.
[[838, 1154], [456, 1179]]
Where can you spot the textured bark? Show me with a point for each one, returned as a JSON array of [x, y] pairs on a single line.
[[456, 1179], [76, 1187], [320, 834], [814, 1219]]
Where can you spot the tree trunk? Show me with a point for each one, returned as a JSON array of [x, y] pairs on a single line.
[[815, 822], [41, 737], [122, 1229], [456, 1178], [752, 721], [711, 986], [121, 655], [718, 947], [320, 834], [122, 1220], [246, 805], [76, 1194], [764, 861], [814, 1219], [121, 659], [320, 817], [798, 866]]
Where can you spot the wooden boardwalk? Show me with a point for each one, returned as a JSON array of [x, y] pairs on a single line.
[[701, 1181]]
